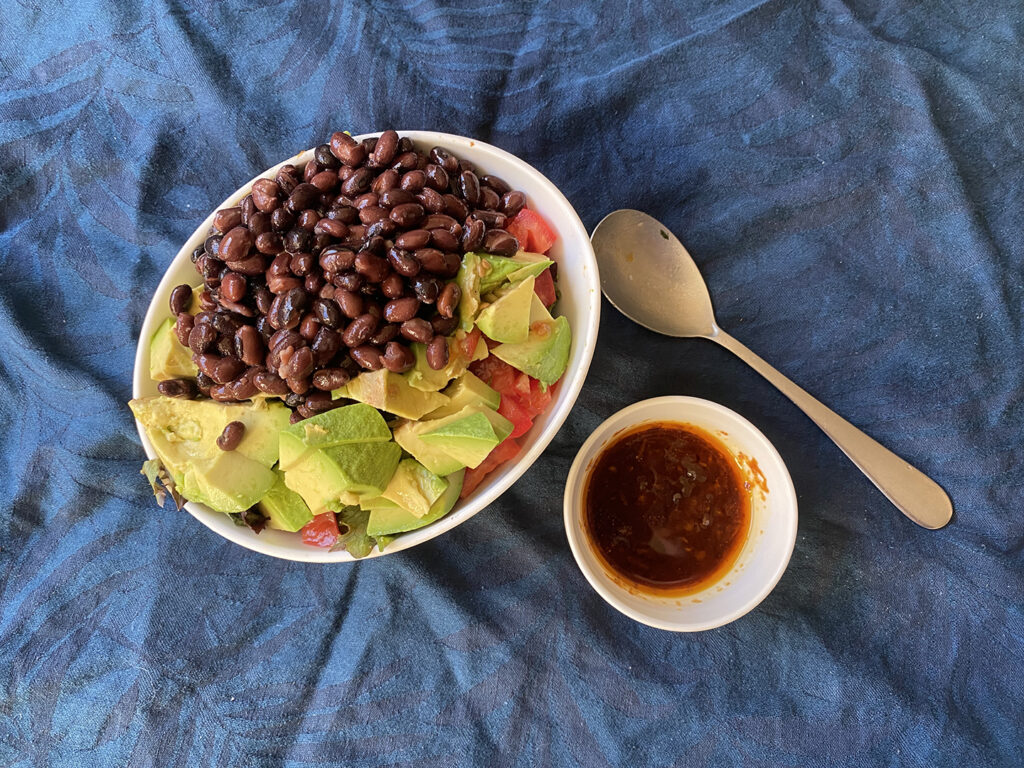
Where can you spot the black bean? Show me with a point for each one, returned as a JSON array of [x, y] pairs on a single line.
[[358, 183], [270, 243], [495, 183], [302, 197], [449, 299], [406, 161], [512, 203], [393, 286], [359, 330], [469, 187], [379, 230], [328, 379], [247, 208], [392, 197], [426, 288], [384, 334], [201, 337], [407, 215], [259, 223], [282, 219], [346, 149], [326, 345], [249, 345], [443, 239], [298, 239], [417, 329], [431, 259], [233, 286], [414, 181], [370, 266], [327, 313], [492, 219], [437, 353], [308, 219], [301, 264], [372, 214], [445, 159], [181, 296], [389, 179], [437, 177], [183, 326], [231, 436], [445, 326], [264, 195], [349, 281], [270, 383], [296, 365], [182, 388], [324, 157], [473, 237], [386, 147], [455, 207], [227, 218], [235, 245], [400, 310], [398, 358], [500, 242], [319, 402], [336, 259], [367, 357]]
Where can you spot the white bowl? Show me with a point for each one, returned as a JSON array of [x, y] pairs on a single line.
[[765, 554], [580, 302]]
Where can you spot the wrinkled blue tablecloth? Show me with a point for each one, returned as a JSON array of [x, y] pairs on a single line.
[[849, 177]]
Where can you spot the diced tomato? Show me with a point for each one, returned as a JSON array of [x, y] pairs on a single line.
[[505, 450], [468, 345], [532, 231], [517, 414], [540, 398], [494, 372], [321, 531], [544, 287]]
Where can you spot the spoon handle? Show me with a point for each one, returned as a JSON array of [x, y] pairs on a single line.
[[915, 494]]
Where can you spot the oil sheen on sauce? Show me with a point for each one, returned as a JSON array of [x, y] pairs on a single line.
[[666, 509]]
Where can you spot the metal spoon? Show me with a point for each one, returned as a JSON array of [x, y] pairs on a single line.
[[640, 259]]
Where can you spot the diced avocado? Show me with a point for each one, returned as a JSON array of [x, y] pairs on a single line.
[[357, 423], [468, 280], [291, 450], [389, 520], [229, 482], [407, 435], [285, 509], [168, 359], [545, 353], [414, 488], [391, 392], [325, 476], [468, 435], [184, 434], [508, 318], [466, 390], [190, 428], [496, 270]]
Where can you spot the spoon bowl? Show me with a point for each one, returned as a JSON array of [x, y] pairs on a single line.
[[647, 274]]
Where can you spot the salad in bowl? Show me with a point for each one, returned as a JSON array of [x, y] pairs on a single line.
[[365, 345]]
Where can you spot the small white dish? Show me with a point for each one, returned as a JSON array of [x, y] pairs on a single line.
[[765, 553], [579, 301]]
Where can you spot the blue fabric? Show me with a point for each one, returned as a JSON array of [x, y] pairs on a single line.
[[848, 175]]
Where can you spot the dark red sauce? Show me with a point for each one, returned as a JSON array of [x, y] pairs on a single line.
[[665, 507]]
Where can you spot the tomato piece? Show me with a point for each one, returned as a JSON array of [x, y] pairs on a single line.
[[540, 398], [468, 345], [532, 231], [321, 531], [544, 287], [496, 373], [503, 451], [520, 417]]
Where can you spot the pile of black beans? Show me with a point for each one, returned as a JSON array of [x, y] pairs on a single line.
[[335, 267]]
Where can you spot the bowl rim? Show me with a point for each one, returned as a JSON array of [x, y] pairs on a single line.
[[584, 333], [572, 501]]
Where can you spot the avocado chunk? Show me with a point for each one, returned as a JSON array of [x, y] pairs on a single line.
[[468, 389], [408, 434], [425, 378], [414, 488], [168, 359], [545, 353], [184, 434], [188, 429], [285, 509], [508, 318], [468, 280], [391, 392], [228, 483], [357, 423], [496, 270], [387, 520], [469, 435], [324, 476]]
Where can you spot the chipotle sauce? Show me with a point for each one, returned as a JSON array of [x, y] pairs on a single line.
[[665, 508]]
